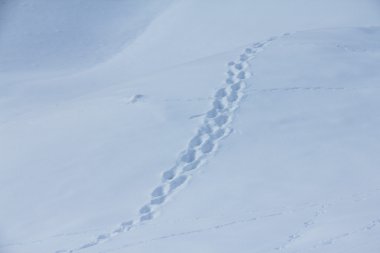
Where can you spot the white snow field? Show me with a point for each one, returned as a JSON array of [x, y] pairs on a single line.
[[189, 126]]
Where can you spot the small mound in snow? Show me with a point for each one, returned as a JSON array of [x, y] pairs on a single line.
[[136, 98]]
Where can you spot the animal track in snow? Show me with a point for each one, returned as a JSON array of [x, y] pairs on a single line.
[[216, 126], [304, 229], [367, 227], [296, 88], [126, 226]]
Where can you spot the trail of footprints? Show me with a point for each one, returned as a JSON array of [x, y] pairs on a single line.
[[215, 126]]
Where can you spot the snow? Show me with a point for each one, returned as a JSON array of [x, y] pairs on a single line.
[[69, 34], [184, 133]]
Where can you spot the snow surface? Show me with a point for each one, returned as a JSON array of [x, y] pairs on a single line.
[[191, 126], [71, 33]]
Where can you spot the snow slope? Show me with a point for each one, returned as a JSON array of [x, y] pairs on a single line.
[[106, 159], [40, 35], [299, 172]]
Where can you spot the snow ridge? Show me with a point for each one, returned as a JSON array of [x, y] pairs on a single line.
[[215, 127]]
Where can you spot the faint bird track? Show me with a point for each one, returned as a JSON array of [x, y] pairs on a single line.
[[306, 226], [367, 227], [216, 126]]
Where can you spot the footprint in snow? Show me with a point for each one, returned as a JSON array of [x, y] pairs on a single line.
[[168, 175], [146, 217]]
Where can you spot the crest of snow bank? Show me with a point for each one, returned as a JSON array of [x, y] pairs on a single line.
[[45, 34]]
